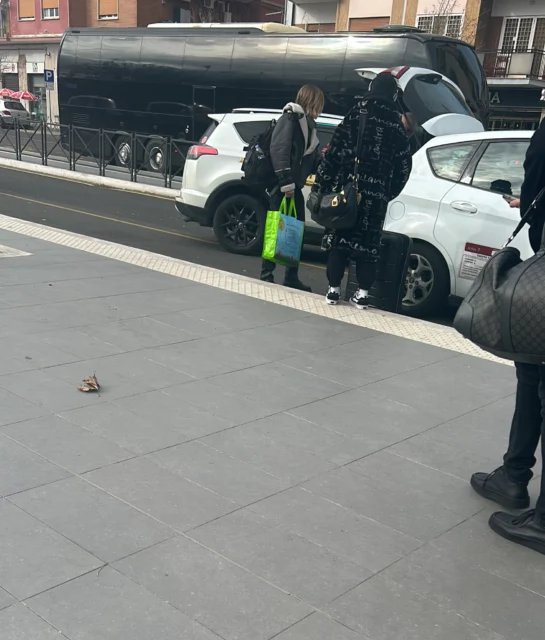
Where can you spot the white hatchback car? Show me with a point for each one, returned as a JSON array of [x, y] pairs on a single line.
[[455, 208]]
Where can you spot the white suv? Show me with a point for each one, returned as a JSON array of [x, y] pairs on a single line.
[[214, 194]]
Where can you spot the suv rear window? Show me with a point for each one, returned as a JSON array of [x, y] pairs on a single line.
[[249, 130], [14, 106], [208, 132], [449, 162], [430, 96]]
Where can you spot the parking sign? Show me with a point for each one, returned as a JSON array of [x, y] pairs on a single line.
[[49, 77]]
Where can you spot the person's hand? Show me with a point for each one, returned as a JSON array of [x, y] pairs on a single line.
[[515, 204], [290, 194]]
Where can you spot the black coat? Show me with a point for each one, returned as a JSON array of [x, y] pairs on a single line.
[[291, 166], [534, 181], [384, 168]]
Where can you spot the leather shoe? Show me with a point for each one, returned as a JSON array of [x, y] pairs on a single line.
[[297, 284], [499, 487], [527, 529]]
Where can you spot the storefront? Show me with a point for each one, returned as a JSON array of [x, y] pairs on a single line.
[[36, 85], [516, 109]]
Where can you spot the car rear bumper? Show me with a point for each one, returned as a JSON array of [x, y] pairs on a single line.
[[193, 213]]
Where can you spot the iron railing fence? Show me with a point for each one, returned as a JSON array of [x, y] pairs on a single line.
[[513, 64], [99, 150]]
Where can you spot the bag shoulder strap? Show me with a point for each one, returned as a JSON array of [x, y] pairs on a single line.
[[359, 143], [525, 218]]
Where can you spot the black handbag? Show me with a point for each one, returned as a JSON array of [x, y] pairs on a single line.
[[340, 210], [504, 311]]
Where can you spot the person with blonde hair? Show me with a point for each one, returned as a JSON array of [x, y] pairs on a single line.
[[295, 154]]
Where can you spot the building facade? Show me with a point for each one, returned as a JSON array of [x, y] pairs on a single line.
[[509, 36], [31, 32]]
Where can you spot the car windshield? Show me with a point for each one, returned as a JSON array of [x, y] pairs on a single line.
[[14, 106], [429, 96]]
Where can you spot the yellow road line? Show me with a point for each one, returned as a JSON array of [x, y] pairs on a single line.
[[126, 222], [96, 215]]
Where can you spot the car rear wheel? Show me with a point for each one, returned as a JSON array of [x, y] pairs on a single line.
[[238, 224], [427, 282]]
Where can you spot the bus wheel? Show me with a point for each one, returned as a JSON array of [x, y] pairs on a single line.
[[155, 156], [123, 152]]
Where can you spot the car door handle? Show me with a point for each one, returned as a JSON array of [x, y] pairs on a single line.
[[466, 207]]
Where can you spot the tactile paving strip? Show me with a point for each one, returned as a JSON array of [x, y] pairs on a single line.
[[417, 330]]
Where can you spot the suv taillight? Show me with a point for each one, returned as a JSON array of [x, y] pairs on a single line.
[[6, 113], [198, 150], [397, 72]]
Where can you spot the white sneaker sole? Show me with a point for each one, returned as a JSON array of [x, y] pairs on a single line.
[[332, 302], [361, 307]]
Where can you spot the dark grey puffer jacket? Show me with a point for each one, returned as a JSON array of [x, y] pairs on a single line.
[[295, 149]]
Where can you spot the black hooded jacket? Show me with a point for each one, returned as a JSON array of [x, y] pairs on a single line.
[[534, 181], [293, 157]]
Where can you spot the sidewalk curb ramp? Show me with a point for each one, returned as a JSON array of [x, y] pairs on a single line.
[[84, 178]]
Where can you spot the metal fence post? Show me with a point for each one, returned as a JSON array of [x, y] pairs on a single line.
[[71, 148], [44, 143], [101, 158], [18, 149], [133, 157], [168, 162]]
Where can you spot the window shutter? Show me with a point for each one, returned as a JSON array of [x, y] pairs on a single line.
[[367, 24], [107, 8], [50, 4], [26, 9]]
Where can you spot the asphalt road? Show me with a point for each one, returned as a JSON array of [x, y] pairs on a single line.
[[135, 220]]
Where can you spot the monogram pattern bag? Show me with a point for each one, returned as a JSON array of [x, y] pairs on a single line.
[[504, 311]]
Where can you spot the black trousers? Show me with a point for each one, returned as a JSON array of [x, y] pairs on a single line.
[[527, 427], [337, 261], [275, 198]]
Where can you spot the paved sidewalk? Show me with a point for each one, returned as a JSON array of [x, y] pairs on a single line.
[[248, 471]]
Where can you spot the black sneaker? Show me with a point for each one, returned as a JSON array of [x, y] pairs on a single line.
[[499, 487], [359, 303], [333, 296]]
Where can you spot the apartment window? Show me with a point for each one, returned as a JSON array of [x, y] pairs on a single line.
[[50, 9], [522, 34], [108, 9], [26, 9], [450, 25]]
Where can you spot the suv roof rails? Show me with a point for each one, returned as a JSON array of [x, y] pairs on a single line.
[[261, 110], [398, 28]]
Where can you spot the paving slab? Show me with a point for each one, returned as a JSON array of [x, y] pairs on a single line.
[[34, 557], [107, 606], [224, 597]]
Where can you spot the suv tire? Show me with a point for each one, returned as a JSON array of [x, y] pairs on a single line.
[[239, 223], [427, 283]]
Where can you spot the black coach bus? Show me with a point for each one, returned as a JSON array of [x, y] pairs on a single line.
[[165, 82]]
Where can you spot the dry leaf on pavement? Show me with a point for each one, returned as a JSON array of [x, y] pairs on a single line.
[[90, 384]]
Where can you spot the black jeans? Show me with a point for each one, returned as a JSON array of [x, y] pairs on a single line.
[[338, 259], [268, 267], [527, 427]]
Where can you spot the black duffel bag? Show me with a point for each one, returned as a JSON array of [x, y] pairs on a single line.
[[504, 311], [340, 210]]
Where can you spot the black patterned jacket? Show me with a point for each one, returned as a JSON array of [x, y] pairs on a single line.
[[384, 168]]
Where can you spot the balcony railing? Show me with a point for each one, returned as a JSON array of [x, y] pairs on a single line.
[[526, 64]]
